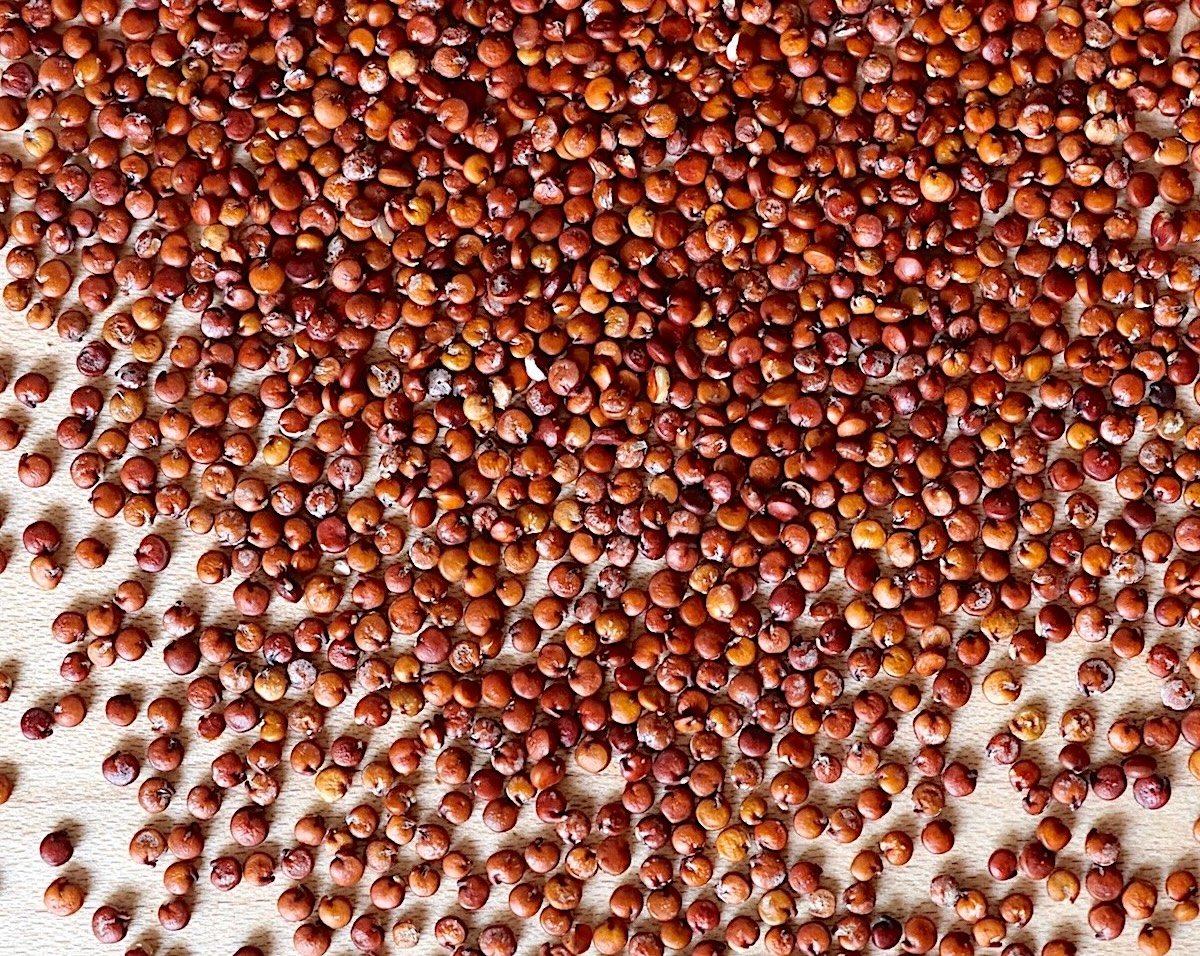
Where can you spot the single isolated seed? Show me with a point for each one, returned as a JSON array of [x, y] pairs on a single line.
[[153, 554], [31, 389], [62, 897], [109, 925], [1028, 724], [34, 470], [1001, 687], [56, 848], [121, 768], [174, 915], [37, 723], [120, 710], [405, 934], [91, 553], [41, 537], [45, 573]]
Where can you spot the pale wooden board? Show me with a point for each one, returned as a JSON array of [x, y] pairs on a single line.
[[58, 781]]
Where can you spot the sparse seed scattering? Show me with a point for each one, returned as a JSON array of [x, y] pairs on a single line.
[[656, 466]]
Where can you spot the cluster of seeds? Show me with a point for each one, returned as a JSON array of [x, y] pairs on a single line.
[[706, 397]]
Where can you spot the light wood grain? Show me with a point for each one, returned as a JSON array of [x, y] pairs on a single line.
[[58, 782]]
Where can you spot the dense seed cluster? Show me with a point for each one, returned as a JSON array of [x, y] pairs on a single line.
[[709, 396]]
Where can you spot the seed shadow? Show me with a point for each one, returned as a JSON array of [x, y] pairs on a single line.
[[126, 899], [260, 937], [150, 940], [73, 828], [77, 875]]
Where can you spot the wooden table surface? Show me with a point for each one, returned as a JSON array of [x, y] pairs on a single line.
[[59, 785]]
